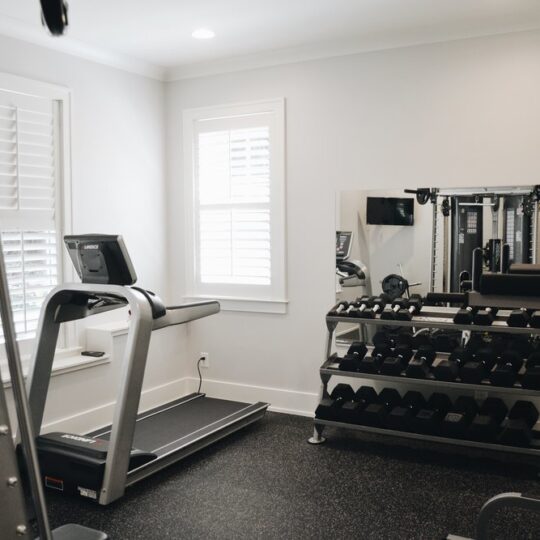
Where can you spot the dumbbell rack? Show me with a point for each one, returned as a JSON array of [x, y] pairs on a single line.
[[431, 318]]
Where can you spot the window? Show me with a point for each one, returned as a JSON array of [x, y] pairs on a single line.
[[234, 193], [33, 190]]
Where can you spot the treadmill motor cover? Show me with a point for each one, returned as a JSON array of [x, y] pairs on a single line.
[[75, 464]]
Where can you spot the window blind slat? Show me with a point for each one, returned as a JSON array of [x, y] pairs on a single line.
[[225, 257], [28, 204]]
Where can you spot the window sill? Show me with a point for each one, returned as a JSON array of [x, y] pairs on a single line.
[[249, 305], [65, 361]]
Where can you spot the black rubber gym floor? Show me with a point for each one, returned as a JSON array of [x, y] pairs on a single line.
[[268, 482]]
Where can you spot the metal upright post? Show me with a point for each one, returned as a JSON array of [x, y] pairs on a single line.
[[317, 437], [13, 518], [434, 238], [21, 405], [534, 249]]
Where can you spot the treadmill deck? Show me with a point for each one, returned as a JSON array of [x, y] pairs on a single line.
[[181, 427]]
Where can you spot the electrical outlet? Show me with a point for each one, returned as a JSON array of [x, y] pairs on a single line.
[[205, 362]]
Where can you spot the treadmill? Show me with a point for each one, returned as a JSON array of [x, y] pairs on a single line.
[[101, 464]]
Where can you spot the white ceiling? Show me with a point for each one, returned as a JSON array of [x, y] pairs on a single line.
[[155, 35]]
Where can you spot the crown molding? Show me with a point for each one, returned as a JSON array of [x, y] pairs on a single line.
[[311, 52], [37, 35], [17, 29]]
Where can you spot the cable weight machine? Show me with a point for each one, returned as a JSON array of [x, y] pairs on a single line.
[[488, 218]]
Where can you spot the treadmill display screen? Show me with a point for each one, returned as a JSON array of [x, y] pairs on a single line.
[[343, 244], [101, 258], [390, 211]]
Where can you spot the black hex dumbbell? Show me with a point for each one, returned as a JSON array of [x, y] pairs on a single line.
[[485, 316], [351, 410], [475, 343], [519, 318], [517, 428], [357, 307], [479, 367], [413, 307], [375, 413], [487, 423], [404, 337], [428, 419], [422, 338], [531, 378], [355, 354], [365, 395], [448, 369], [372, 363], [420, 365], [389, 312], [382, 338], [508, 366], [444, 342], [338, 309], [534, 321], [400, 417], [328, 408], [457, 421], [377, 306], [397, 361], [465, 315]]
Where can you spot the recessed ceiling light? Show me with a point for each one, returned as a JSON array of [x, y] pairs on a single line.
[[203, 33]]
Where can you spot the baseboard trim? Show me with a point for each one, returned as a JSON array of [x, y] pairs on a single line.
[[281, 401]]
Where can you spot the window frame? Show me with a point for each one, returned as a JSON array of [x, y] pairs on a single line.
[[62, 97], [245, 298]]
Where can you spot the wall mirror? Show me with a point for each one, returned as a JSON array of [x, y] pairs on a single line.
[[416, 241]]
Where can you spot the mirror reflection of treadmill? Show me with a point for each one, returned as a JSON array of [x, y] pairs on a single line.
[[348, 333], [343, 245]]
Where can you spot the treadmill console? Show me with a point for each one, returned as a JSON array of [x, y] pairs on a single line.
[[101, 258], [343, 245]]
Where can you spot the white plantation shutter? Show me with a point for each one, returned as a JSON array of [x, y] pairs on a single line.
[[32, 269], [28, 202], [237, 218], [233, 172]]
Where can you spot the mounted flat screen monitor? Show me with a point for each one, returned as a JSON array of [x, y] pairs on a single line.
[[390, 211]]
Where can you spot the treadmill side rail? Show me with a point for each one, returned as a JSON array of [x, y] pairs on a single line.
[[127, 405], [186, 313]]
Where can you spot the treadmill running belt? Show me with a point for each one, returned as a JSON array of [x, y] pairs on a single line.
[[168, 424]]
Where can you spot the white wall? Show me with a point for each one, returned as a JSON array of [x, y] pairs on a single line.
[[117, 142], [457, 113]]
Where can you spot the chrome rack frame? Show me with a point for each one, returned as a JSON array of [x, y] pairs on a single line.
[[429, 317]]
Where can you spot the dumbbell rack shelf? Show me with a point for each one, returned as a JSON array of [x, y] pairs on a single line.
[[440, 318], [331, 368], [432, 318], [533, 450]]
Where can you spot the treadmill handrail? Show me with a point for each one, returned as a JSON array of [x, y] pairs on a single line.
[[187, 312]]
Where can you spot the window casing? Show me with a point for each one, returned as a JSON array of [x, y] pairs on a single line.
[[235, 205], [34, 196]]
